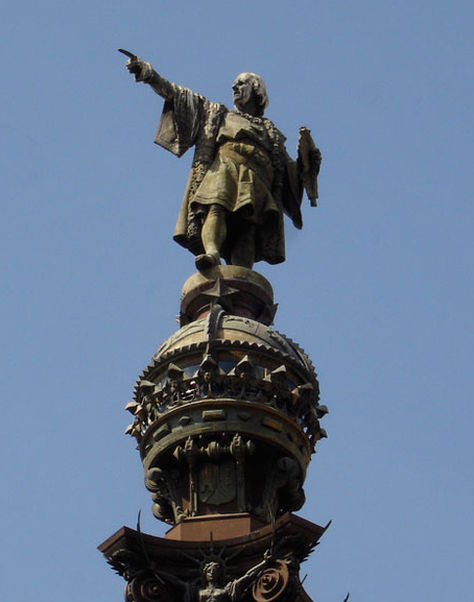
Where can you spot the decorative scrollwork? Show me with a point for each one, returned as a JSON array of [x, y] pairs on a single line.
[[246, 380], [146, 588], [271, 584]]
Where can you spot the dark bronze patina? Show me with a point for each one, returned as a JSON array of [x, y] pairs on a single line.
[[226, 416], [242, 179]]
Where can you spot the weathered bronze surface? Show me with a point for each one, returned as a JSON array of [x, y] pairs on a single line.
[[226, 416], [242, 179], [242, 292]]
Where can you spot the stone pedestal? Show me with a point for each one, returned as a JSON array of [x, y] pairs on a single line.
[[215, 527], [226, 417], [239, 290], [141, 559]]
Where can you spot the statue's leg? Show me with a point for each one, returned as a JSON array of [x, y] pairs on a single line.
[[213, 235], [243, 252]]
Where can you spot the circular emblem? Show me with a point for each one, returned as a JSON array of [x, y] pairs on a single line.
[[272, 583], [145, 589]]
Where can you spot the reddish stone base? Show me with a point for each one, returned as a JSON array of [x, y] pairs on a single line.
[[211, 527], [188, 545]]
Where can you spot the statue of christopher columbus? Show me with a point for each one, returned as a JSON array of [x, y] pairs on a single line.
[[242, 179]]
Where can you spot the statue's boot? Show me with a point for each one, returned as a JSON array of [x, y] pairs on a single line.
[[207, 260]]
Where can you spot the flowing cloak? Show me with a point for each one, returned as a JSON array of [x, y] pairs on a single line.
[[189, 119]]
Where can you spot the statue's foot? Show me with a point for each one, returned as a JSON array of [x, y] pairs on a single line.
[[207, 260]]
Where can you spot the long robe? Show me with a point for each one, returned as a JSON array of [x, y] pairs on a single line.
[[189, 119]]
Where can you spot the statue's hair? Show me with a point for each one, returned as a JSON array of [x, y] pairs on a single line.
[[219, 565], [212, 563], [258, 86]]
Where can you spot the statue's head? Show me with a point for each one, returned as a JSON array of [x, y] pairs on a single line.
[[247, 84], [213, 572]]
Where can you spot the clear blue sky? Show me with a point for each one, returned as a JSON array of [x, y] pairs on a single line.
[[377, 287]]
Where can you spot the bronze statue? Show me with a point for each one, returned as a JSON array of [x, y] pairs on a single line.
[[242, 179], [215, 587]]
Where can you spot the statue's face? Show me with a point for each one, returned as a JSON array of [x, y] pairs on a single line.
[[212, 572], [241, 91]]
